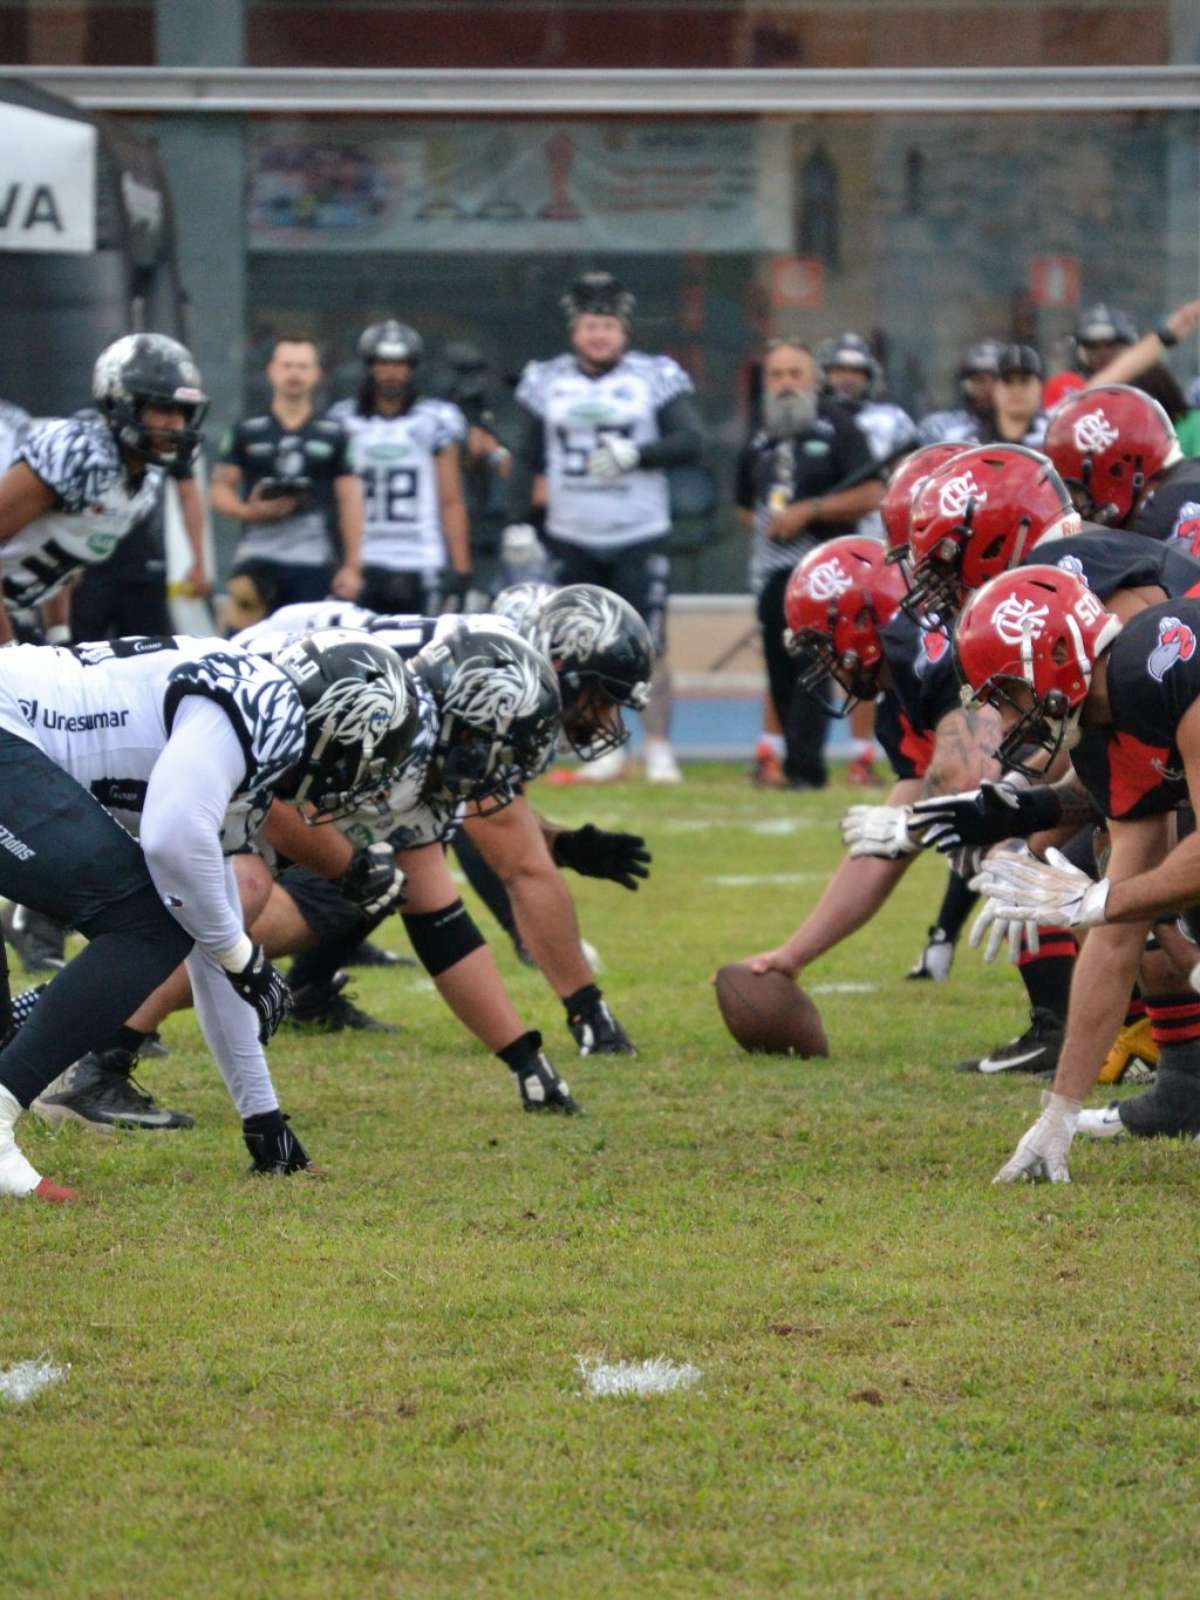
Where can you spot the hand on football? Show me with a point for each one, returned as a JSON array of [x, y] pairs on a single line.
[[1043, 1151], [774, 961]]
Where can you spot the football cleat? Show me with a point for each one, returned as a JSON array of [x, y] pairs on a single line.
[[660, 763], [1133, 1057], [327, 1008], [1170, 1108], [1104, 1124], [1034, 1051], [543, 1090], [594, 1028], [367, 954], [936, 959], [99, 1091], [767, 771], [861, 773]]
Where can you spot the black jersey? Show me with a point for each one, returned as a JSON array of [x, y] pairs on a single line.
[[1132, 767], [1109, 559], [1172, 508], [921, 666], [312, 457], [909, 752]]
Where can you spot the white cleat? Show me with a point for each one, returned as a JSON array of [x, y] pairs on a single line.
[[1104, 1124], [661, 765], [605, 769]]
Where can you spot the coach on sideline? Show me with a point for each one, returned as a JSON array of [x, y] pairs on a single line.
[[787, 491]]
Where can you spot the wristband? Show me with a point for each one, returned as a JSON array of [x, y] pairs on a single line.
[[236, 958], [1166, 336], [58, 634]]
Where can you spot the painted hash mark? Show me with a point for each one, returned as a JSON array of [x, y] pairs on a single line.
[[28, 1378], [843, 988], [657, 1376]]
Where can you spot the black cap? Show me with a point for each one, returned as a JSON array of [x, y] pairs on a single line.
[[1016, 358]]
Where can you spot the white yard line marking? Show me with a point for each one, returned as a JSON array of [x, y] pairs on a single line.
[[843, 988], [28, 1378], [751, 880], [657, 1376]]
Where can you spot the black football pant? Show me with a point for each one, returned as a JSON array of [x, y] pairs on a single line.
[[802, 718], [61, 853], [639, 573]]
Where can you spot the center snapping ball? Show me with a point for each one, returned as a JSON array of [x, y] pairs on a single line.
[[768, 1014]]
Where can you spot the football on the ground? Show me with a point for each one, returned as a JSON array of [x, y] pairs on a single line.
[[768, 1013]]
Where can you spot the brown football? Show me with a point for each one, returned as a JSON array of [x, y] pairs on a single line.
[[768, 1013]]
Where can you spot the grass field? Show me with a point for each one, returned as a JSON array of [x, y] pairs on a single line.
[[912, 1383]]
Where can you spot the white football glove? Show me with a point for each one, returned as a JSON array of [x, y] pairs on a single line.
[[879, 831], [613, 457], [1052, 892], [1043, 1151]]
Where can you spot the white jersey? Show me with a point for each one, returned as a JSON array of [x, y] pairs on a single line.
[[396, 459], [14, 425], [406, 818], [577, 412], [103, 712], [887, 429], [306, 616], [76, 457]]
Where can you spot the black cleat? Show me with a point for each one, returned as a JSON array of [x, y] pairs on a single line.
[[372, 955], [327, 1008], [40, 942], [934, 963], [153, 1048], [1036, 1051], [99, 1090]]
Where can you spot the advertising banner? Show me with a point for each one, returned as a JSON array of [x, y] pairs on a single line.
[[47, 182]]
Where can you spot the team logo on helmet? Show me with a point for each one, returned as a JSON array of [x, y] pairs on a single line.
[[957, 493], [829, 580], [593, 623], [1016, 620], [489, 691], [1073, 565], [1093, 431], [1176, 642]]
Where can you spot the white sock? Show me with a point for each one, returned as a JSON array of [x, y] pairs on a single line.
[[17, 1176], [770, 744]]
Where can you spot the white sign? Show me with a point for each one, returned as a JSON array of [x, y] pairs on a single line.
[[47, 182]]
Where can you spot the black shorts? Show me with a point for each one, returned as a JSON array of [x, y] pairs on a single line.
[[282, 583], [60, 850], [417, 594], [322, 904], [639, 573]]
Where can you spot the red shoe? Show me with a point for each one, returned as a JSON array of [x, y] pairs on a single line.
[[55, 1193], [861, 773], [767, 773]]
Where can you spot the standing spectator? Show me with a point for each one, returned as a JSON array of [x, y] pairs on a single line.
[[464, 380], [1106, 340], [1017, 415], [416, 549], [602, 423], [967, 423], [285, 474], [788, 490]]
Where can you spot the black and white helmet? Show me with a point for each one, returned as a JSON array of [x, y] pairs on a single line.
[[361, 712], [850, 350], [391, 341], [603, 655], [500, 711], [150, 369], [598, 294], [520, 604]]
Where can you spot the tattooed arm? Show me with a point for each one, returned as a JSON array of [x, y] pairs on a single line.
[[964, 752]]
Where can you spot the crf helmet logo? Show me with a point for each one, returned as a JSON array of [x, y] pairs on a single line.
[[1073, 565], [957, 493], [1093, 431], [1017, 620], [829, 580], [1176, 642]]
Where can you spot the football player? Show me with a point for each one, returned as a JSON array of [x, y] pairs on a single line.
[[970, 422], [185, 742], [601, 424], [1065, 673], [79, 485], [416, 545]]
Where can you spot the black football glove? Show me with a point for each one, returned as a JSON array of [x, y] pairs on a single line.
[[985, 816], [263, 987], [594, 1028], [275, 1149], [374, 882], [594, 853], [541, 1087], [455, 588]]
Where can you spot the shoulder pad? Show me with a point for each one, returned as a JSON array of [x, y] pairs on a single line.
[[261, 702], [77, 457]]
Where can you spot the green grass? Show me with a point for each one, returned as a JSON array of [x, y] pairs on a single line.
[[914, 1383]]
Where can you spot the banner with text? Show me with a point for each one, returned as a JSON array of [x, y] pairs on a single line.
[[47, 182]]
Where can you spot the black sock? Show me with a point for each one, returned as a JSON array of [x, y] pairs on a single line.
[[957, 903], [1047, 975], [125, 1038]]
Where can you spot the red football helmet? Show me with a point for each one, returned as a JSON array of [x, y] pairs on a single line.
[[836, 601], [976, 517], [896, 507], [1027, 642], [1107, 443]]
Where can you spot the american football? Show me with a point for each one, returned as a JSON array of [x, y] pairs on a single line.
[[768, 1014]]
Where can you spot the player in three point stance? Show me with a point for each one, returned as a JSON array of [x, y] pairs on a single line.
[[1064, 673], [185, 742]]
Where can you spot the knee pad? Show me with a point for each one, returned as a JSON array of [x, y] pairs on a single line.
[[441, 939]]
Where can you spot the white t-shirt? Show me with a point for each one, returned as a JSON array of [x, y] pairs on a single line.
[[97, 507], [396, 459], [578, 411]]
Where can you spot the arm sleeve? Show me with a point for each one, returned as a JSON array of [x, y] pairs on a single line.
[[529, 458], [200, 769], [682, 435]]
